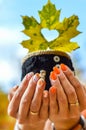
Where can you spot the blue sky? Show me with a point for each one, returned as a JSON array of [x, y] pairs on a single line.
[[11, 52]]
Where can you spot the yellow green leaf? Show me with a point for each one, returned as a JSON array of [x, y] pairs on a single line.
[[50, 19]]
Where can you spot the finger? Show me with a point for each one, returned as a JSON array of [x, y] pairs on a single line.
[[12, 111], [11, 93], [71, 93], [81, 94], [53, 106], [61, 96], [27, 97], [74, 109], [37, 98], [68, 88], [44, 107]]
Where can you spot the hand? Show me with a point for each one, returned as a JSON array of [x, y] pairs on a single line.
[[67, 98], [29, 103]]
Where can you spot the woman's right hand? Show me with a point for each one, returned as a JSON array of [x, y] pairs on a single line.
[[67, 98], [28, 103]]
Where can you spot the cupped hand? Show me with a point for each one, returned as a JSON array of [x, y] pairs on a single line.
[[67, 98], [29, 102]]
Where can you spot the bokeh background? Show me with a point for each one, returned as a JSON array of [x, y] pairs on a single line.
[[11, 52]]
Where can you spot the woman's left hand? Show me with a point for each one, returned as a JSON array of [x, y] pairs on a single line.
[[28, 103], [67, 98]]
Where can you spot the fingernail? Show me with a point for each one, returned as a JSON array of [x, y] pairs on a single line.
[[36, 77], [45, 94], [56, 70], [53, 90], [41, 82], [63, 67], [53, 75], [29, 75]]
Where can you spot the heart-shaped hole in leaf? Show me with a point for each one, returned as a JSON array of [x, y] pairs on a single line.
[[49, 35]]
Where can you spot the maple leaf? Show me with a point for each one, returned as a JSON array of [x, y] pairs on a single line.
[[50, 19]]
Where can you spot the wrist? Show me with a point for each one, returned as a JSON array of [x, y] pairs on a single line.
[[82, 123]]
